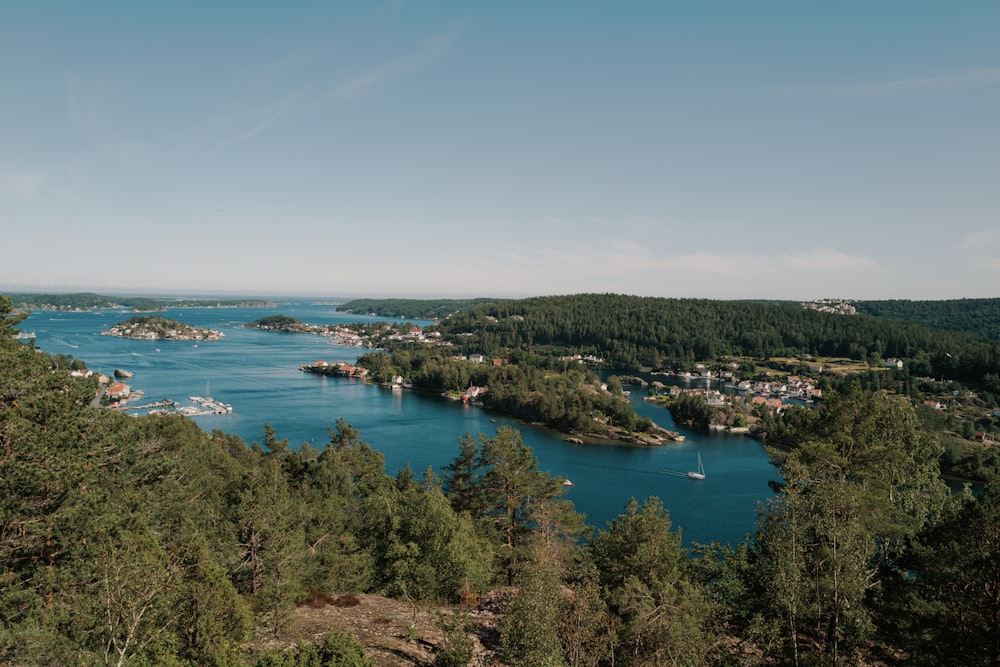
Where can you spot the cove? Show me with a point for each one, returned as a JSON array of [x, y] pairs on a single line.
[[257, 372]]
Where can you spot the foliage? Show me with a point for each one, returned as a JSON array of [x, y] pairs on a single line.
[[149, 541], [337, 649], [863, 481], [979, 317], [660, 613], [497, 482], [423, 309], [456, 649], [635, 332], [944, 603], [277, 323], [566, 397]]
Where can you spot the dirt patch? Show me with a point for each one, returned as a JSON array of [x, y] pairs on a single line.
[[394, 633]]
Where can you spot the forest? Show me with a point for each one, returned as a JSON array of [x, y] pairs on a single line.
[[565, 396], [147, 541], [419, 309], [980, 317], [633, 332]]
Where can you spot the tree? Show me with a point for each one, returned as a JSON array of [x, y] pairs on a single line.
[[863, 481], [502, 486], [945, 602], [642, 573]]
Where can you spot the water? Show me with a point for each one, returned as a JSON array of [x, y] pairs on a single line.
[[257, 372]]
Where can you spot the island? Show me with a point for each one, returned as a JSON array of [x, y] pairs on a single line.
[[154, 327]]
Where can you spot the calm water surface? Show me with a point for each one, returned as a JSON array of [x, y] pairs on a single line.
[[258, 373]]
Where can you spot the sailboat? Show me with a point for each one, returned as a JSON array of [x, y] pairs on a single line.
[[700, 473]]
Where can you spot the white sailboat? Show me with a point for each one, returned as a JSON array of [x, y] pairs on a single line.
[[700, 473]]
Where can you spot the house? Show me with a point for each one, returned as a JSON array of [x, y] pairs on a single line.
[[934, 405], [477, 358], [118, 391], [893, 363]]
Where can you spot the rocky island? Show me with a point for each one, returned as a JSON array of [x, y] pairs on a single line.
[[153, 327]]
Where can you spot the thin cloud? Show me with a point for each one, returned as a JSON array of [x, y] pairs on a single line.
[[966, 79], [634, 257], [980, 240], [375, 78], [25, 184], [297, 105], [267, 116], [827, 259]]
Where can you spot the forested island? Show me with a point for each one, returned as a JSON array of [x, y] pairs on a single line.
[[146, 540], [154, 327]]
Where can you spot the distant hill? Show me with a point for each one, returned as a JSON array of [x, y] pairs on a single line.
[[979, 317], [419, 309]]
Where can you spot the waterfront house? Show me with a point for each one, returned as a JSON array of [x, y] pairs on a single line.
[[118, 391]]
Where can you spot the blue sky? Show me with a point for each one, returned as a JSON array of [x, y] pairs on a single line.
[[784, 150]]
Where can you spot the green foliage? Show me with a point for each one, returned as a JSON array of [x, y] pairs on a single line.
[[420, 547], [338, 649], [529, 632], [863, 481], [423, 309], [980, 317], [635, 332], [566, 397], [497, 481], [660, 613], [278, 323], [456, 649], [944, 603]]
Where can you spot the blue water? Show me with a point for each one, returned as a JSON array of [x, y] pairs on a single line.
[[257, 372]]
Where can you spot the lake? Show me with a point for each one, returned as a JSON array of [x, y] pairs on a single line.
[[257, 372]]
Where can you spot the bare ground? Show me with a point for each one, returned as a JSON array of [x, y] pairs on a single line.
[[394, 633]]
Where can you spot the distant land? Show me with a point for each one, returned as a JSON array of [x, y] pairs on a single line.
[[417, 309], [88, 301], [978, 317]]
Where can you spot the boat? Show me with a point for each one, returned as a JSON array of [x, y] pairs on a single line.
[[700, 473], [566, 482]]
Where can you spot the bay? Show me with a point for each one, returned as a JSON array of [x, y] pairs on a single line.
[[257, 372]]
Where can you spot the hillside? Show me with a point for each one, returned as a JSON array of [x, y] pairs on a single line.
[[979, 317]]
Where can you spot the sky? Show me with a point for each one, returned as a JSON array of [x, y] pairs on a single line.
[[725, 150]]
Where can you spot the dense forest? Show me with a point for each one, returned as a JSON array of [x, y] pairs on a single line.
[[147, 541], [644, 332], [565, 396], [980, 317], [420, 309]]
